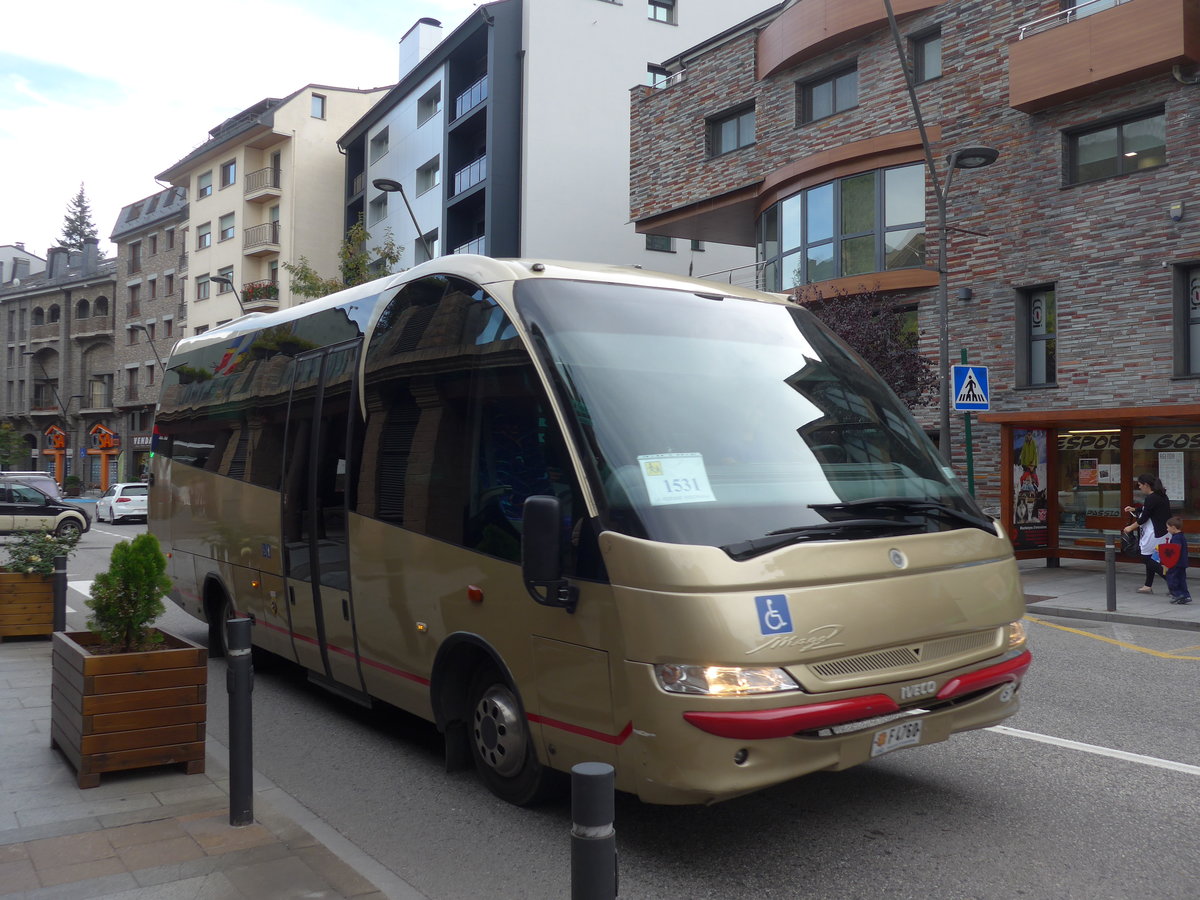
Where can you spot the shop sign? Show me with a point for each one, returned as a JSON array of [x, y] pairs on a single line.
[[1166, 440]]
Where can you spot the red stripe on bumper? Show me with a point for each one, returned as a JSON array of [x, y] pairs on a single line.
[[968, 683], [761, 724]]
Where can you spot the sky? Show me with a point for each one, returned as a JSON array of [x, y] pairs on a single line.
[[109, 95]]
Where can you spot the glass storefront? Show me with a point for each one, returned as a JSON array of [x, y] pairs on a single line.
[[1088, 477]]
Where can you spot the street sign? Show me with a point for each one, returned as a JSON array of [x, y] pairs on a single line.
[[970, 388]]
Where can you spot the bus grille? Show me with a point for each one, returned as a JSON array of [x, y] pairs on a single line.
[[929, 653]]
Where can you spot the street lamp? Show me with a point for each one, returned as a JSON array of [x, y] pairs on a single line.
[[391, 186], [150, 338], [228, 282]]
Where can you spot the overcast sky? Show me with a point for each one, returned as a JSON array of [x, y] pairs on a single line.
[[112, 94]]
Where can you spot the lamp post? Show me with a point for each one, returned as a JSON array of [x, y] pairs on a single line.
[[228, 282], [150, 339], [962, 158], [391, 186]]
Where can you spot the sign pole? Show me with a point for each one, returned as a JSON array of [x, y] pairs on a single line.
[[967, 436]]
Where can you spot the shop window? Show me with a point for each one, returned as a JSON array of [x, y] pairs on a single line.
[[1187, 320], [1117, 148], [1037, 337]]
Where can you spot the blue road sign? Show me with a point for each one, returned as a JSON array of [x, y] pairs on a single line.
[[970, 388]]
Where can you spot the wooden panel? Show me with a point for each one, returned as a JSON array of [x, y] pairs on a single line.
[[109, 703], [164, 678], [150, 756], [142, 739], [143, 718]]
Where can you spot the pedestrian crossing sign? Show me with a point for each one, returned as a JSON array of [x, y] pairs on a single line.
[[970, 388]]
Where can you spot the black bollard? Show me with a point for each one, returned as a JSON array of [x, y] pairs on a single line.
[[239, 681], [1110, 574], [60, 593], [593, 839]]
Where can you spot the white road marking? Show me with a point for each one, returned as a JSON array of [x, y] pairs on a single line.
[[1099, 751]]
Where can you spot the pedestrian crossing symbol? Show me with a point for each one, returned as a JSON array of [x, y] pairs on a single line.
[[970, 388]]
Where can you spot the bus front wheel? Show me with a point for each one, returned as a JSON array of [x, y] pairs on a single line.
[[502, 744]]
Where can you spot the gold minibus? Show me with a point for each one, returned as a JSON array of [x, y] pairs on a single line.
[[581, 513]]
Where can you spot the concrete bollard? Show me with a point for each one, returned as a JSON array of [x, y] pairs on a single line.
[[60, 593], [239, 682], [1110, 574], [593, 838]]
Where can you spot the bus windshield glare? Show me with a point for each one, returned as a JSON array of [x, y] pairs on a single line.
[[741, 424]]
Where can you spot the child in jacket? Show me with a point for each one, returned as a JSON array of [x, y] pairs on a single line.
[[1177, 574]]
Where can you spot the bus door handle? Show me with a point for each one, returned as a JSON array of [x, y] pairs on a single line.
[[346, 609], [291, 595]]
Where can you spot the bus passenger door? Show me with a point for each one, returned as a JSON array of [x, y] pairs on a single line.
[[321, 425]]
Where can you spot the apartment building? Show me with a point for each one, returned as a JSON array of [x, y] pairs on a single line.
[[17, 262], [58, 364], [509, 135], [150, 315], [264, 189], [1072, 239]]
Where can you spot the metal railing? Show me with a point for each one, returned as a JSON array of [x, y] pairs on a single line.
[[751, 275], [471, 97], [667, 81], [257, 235], [358, 183], [470, 174], [1063, 16], [269, 177], [475, 246]]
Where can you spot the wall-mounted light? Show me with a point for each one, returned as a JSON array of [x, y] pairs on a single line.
[[965, 293], [1177, 211]]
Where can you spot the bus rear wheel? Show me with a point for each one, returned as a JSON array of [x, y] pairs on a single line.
[[220, 611], [501, 742]]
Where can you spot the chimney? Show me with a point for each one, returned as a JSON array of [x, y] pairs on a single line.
[[91, 254], [57, 264], [20, 245], [20, 268], [417, 43]]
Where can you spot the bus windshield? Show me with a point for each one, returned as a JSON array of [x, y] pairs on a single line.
[[736, 423]]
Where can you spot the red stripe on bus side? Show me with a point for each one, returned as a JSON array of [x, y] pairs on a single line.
[[383, 667], [615, 739]]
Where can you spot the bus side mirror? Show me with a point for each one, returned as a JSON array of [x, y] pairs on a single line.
[[541, 554]]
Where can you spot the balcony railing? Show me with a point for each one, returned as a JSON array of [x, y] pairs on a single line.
[[268, 179], [261, 237], [1078, 11], [476, 246], [470, 175], [356, 186], [471, 97]]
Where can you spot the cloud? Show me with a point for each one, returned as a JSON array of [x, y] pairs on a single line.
[[121, 95]]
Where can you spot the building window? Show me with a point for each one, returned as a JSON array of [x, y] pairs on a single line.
[[204, 236], [228, 173], [377, 209], [869, 222], [925, 51], [657, 76], [379, 145], [169, 287], [225, 226], [731, 131], [135, 296], [697, 246], [426, 248], [1117, 148], [153, 244], [1187, 320], [135, 257], [149, 376], [1084, 8], [202, 287], [226, 272], [660, 242], [430, 104], [152, 288], [429, 175], [1039, 321], [204, 184], [170, 234], [662, 11], [829, 94], [318, 106], [168, 327]]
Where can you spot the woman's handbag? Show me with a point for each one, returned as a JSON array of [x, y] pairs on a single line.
[[1129, 541]]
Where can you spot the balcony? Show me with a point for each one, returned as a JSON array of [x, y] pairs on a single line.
[[470, 175], [471, 97], [263, 185], [261, 240], [260, 296], [478, 245], [93, 326], [357, 185], [1072, 55]]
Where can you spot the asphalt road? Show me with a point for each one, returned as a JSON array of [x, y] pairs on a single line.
[[1108, 809]]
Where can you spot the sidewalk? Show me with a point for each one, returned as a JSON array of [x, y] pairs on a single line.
[[153, 834], [1077, 589]]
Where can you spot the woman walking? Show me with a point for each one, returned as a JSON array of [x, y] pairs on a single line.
[[1152, 518]]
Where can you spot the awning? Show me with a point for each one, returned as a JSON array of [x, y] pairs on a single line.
[[1141, 416]]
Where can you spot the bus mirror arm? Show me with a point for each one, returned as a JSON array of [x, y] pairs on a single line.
[[541, 554]]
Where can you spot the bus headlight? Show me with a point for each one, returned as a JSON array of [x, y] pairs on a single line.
[[723, 680], [1016, 635]]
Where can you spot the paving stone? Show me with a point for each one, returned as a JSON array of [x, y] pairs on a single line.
[[340, 876], [17, 875], [284, 879], [81, 871], [214, 833], [89, 846], [160, 853], [145, 833]]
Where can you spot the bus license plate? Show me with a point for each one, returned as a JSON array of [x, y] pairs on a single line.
[[906, 734]]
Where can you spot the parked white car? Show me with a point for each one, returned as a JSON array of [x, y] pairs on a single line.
[[123, 501]]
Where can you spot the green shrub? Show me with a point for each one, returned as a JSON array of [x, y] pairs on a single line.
[[33, 552], [128, 597]]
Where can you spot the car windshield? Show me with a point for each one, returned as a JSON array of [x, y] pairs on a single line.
[[715, 420]]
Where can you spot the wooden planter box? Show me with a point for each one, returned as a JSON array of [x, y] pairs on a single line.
[[128, 710], [26, 604]]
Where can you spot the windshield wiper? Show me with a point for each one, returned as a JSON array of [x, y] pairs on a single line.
[[800, 533], [906, 506]]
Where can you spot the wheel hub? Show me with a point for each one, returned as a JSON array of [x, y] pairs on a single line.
[[498, 731]]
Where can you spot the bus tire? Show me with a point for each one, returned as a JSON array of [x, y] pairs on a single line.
[[501, 742], [220, 610]]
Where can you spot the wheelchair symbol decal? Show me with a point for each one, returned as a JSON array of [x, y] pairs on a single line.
[[774, 617]]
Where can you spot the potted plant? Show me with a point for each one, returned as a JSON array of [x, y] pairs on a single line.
[[27, 582], [125, 694], [72, 486]]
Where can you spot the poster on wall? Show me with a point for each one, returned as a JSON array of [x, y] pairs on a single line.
[[1089, 473], [1170, 473], [1030, 530]]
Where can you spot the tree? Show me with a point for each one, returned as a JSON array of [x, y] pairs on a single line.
[[78, 224], [881, 334], [12, 448], [128, 597], [354, 266]]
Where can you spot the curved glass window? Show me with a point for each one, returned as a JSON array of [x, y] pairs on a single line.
[[868, 222], [721, 421]]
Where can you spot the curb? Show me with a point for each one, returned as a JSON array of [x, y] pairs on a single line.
[[1105, 616]]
